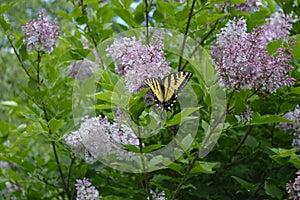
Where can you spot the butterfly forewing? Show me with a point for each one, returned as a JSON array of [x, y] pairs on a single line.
[[155, 86]]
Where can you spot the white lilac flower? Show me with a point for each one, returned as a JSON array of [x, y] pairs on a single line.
[[241, 58], [136, 61], [41, 34], [157, 195], [85, 190], [293, 188], [97, 137]]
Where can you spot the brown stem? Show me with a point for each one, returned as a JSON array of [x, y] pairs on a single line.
[[185, 35], [201, 42], [147, 20], [243, 140]]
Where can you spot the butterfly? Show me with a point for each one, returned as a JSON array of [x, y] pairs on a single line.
[[165, 90]]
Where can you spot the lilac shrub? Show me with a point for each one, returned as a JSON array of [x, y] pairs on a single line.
[[241, 58]]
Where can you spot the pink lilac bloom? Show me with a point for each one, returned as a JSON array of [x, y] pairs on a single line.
[[285, 126], [249, 6], [82, 70], [41, 34], [97, 137], [85, 190], [136, 61], [242, 61], [293, 188]]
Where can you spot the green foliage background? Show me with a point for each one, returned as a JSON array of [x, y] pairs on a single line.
[[250, 161]]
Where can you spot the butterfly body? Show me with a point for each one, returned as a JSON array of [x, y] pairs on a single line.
[[165, 90]]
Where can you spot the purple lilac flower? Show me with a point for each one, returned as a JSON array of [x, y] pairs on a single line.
[[249, 6], [136, 61], [41, 34], [85, 190], [241, 58], [285, 126], [293, 188], [10, 188], [98, 137], [83, 69], [247, 115], [157, 195]]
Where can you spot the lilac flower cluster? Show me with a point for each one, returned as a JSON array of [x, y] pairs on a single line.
[[98, 137], [136, 61], [85, 190], [10, 189], [83, 69], [247, 115], [249, 6], [293, 188], [241, 58], [285, 126], [157, 195], [41, 34]]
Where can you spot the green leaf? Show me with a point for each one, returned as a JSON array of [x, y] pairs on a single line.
[[296, 52], [273, 191], [204, 167], [237, 1], [283, 152], [273, 46], [250, 187], [9, 103], [182, 116], [55, 124], [4, 24], [5, 7], [126, 16], [265, 119]]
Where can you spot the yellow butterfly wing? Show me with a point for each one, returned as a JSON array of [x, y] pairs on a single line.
[[155, 86], [165, 91], [173, 83]]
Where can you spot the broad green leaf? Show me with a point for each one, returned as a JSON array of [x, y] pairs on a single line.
[[265, 119], [250, 187], [5, 7], [9, 103], [204, 167], [296, 52], [182, 116], [4, 24], [152, 147], [273, 191], [283, 152], [55, 124], [273, 46], [126, 16]]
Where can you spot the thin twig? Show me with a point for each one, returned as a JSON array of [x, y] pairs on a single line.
[[185, 35], [201, 42], [147, 20], [243, 140], [18, 56]]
